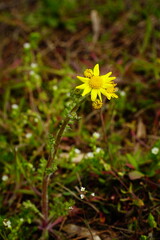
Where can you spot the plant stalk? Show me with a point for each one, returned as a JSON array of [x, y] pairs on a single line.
[[46, 177]]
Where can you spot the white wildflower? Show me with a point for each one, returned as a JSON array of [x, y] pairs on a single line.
[[34, 65], [55, 87], [90, 155], [82, 196], [15, 106], [122, 93], [155, 150], [98, 150], [7, 223], [92, 194], [28, 135], [36, 120], [32, 73], [26, 45], [96, 135], [83, 189], [77, 151], [4, 178]]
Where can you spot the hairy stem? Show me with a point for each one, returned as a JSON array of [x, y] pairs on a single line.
[[46, 177]]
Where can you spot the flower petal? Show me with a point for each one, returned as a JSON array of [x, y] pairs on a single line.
[[86, 90], [114, 95], [111, 78], [99, 94], [105, 93], [96, 70], [82, 86], [83, 79], [94, 94], [107, 75]]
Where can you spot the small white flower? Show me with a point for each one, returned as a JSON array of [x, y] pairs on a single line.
[[36, 120], [96, 135], [34, 65], [83, 189], [155, 150], [32, 73], [70, 208], [15, 106], [122, 93], [82, 196], [92, 194], [21, 219], [26, 45], [4, 178], [90, 155], [28, 135], [55, 87], [98, 150], [7, 223], [77, 151]]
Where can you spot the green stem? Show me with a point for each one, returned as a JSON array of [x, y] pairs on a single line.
[[46, 177]]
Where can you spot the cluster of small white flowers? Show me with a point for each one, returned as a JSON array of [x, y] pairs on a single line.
[[4, 178], [77, 151], [28, 135], [7, 223], [89, 155], [26, 45], [15, 106], [82, 196], [155, 150], [96, 135], [93, 194]]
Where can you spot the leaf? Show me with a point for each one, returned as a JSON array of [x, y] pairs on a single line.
[[132, 160], [151, 221], [135, 175]]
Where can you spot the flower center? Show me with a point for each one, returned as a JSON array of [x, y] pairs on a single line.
[[95, 82]]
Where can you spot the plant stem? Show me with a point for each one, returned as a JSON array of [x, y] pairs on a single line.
[[46, 177]]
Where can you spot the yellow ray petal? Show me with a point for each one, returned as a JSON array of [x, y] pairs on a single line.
[[107, 75], [96, 70], [86, 90], [94, 94], [105, 93], [99, 94], [82, 86], [111, 78], [108, 85], [114, 95], [83, 79]]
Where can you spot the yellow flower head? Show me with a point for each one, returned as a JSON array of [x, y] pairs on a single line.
[[97, 104], [96, 85]]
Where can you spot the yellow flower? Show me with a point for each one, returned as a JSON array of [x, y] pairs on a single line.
[[96, 85], [97, 104]]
